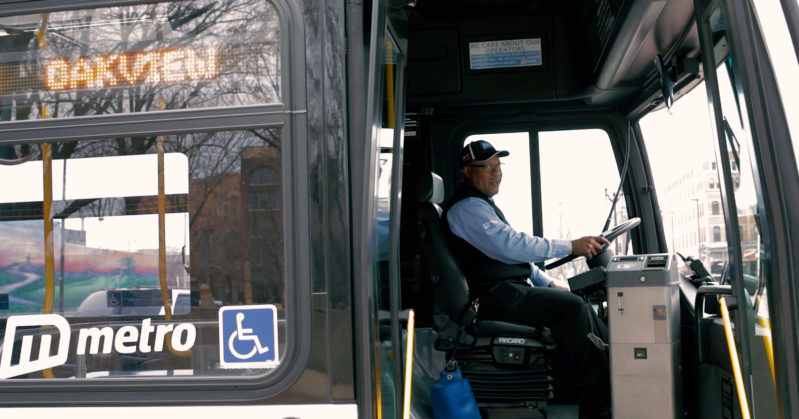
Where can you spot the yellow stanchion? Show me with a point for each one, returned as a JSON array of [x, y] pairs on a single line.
[[390, 83], [162, 246], [766, 324], [736, 366], [162, 231], [49, 246], [42, 32], [406, 401]]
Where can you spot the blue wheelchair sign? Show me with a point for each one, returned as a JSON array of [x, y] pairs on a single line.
[[248, 336]]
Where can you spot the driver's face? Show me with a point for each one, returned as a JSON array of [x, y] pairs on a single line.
[[485, 176]]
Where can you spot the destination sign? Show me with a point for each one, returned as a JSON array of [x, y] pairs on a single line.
[[149, 68], [136, 68]]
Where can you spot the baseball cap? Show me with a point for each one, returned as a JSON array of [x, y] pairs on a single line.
[[480, 151]]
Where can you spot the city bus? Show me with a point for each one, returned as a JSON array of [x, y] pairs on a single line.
[[225, 207]]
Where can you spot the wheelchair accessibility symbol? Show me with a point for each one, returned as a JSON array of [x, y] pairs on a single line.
[[248, 336]]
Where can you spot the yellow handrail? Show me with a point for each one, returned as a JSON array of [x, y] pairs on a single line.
[[49, 246], [766, 324], [42, 32], [390, 84], [162, 231], [159, 144], [406, 405], [736, 367]]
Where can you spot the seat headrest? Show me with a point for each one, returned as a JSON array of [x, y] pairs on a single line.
[[429, 188]]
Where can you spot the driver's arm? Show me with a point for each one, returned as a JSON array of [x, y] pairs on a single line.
[[473, 220], [542, 279], [539, 277]]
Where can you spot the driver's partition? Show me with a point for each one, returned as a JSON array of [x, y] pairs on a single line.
[[504, 362]]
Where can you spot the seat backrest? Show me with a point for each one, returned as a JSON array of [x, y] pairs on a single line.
[[450, 289]]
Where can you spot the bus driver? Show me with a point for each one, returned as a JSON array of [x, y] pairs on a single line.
[[497, 261]]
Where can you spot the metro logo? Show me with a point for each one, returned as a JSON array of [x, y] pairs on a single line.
[[125, 340], [45, 360]]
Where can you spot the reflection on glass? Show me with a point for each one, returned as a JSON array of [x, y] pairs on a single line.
[[139, 58], [222, 246]]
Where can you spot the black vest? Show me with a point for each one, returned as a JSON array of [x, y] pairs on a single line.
[[481, 271]]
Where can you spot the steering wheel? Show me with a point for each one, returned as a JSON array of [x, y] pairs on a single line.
[[610, 235]]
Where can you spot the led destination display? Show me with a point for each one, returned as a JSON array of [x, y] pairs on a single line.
[[112, 70], [152, 67]]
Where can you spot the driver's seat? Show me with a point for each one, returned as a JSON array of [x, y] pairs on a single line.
[[504, 362]]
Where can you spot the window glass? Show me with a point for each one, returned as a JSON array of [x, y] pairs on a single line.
[[577, 197], [747, 276], [679, 143], [739, 146], [784, 61], [80, 241], [390, 366], [139, 58]]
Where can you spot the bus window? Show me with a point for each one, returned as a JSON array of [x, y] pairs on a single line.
[[784, 61], [679, 142], [742, 199], [741, 167], [84, 246], [139, 58], [577, 196]]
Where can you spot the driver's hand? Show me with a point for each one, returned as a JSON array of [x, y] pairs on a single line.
[[558, 285], [588, 246]]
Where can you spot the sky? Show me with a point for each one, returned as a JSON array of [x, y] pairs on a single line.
[[122, 176], [784, 60]]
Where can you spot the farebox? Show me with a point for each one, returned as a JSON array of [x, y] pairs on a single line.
[[644, 321]]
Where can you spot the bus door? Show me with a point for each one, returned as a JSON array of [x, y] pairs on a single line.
[[757, 174], [379, 283]]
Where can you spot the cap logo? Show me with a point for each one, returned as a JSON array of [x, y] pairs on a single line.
[[484, 152]]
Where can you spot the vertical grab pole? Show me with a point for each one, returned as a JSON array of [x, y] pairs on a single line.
[[390, 83], [49, 250], [766, 324], [63, 239], [159, 145], [406, 405], [47, 217], [736, 366], [162, 231]]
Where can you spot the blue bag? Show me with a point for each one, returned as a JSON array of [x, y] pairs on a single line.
[[452, 397]]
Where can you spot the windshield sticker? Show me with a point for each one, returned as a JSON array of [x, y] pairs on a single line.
[[503, 54], [248, 336], [144, 338]]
